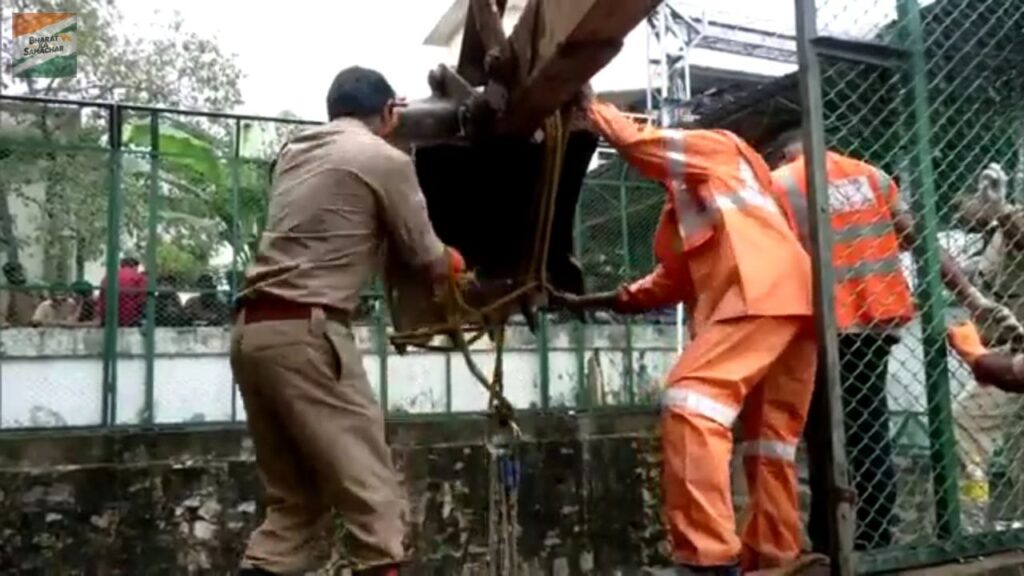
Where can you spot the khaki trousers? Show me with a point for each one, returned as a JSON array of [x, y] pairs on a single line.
[[319, 438]]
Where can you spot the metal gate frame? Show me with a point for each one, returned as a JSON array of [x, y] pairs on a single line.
[[908, 58]]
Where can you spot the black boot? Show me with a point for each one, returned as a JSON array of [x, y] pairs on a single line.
[[731, 570]]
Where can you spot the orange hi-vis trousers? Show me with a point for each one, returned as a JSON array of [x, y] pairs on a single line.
[[761, 370]]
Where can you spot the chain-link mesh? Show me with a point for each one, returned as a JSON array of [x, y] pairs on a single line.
[[146, 220], [934, 458], [52, 224], [616, 217]]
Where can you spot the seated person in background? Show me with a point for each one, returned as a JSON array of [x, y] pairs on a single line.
[[17, 304], [57, 310], [131, 292], [206, 308], [85, 303], [169, 311]]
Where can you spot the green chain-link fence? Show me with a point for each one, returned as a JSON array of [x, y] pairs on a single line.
[[936, 459], [931, 96], [87, 191]]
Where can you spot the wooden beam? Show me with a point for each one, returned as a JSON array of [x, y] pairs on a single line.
[[558, 46], [482, 33]]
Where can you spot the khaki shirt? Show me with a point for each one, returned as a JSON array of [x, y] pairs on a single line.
[[340, 195]]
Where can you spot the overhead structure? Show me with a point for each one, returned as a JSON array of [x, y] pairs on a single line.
[[675, 32], [483, 146], [508, 85], [671, 36]]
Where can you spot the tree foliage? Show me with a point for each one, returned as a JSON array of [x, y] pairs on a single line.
[[172, 67], [204, 201], [975, 83]]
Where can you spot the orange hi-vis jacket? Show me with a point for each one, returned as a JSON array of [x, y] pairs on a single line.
[[870, 288], [723, 246]]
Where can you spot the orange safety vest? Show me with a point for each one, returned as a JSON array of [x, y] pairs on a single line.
[[870, 288]]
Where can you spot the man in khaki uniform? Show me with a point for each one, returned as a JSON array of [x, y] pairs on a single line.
[[340, 194]]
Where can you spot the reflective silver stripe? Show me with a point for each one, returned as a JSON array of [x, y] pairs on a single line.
[[798, 205], [746, 198], [697, 403], [753, 194], [676, 162], [855, 232], [883, 182], [864, 269], [694, 217], [771, 449], [675, 154]]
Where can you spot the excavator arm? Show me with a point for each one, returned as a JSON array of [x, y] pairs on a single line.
[[499, 162]]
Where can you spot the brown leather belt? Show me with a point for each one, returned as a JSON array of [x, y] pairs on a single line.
[[265, 308]]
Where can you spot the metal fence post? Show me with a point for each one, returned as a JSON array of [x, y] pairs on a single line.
[[236, 241], [149, 329], [543, 350], [110, 316], [930, 295], [627, 363], [448, 382], [840, 519], [579, 338], [381, 341]]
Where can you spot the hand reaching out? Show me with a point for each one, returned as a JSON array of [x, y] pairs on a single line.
[[581, 303], [999, 320]]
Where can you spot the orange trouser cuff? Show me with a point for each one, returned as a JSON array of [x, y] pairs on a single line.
[[966, 341]]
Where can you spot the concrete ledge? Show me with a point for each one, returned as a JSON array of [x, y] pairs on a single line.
[[183, 502], [1008, 564]]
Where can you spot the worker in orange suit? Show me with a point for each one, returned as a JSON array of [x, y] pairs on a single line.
[[873, 303], [725, 251]]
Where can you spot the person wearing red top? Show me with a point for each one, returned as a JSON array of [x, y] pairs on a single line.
[[131, 294]]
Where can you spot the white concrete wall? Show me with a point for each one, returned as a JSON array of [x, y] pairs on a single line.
[[54, 377]]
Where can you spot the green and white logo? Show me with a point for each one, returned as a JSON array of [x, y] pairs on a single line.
[[45, 44]]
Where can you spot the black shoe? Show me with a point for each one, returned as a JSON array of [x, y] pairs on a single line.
[[255, 572], [385, 570], [731, 570]]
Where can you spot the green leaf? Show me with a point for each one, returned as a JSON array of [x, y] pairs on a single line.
[[178, 150]]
